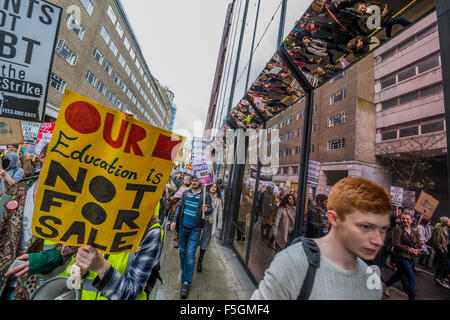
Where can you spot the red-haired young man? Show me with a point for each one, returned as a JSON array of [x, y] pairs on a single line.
[[358, 211]]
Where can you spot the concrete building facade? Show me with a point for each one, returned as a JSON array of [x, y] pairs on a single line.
[[98, 56]]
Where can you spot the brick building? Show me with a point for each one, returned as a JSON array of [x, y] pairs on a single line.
[[98, 56]]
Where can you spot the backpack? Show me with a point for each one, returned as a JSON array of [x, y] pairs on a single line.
[[312, 252]]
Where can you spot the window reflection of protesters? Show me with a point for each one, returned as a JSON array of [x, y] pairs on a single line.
[[268, 211], [284, 224], [317, 223], [244, 211], [441, 246], [406, 247]]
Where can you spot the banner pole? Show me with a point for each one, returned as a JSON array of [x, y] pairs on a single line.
[[204, 201]]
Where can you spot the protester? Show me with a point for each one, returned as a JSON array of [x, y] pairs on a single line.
[[284, 224], [268, 212], [406, 246], [11, 172], [244, 211], [358, 211], [16, 238], [188, 216], [12, 148], [173, 203], [317, 224], [440, 241], [212, 223], [425, 232]]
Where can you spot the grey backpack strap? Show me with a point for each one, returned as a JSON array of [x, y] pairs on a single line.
[[312, 252]]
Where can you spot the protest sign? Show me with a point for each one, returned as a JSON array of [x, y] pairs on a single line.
[[28, 36], [204, 172], [103, 176], [426, 204], [10, 131], [397, 196], [409, 199], [313, 173], [44, 136], [30, 131]]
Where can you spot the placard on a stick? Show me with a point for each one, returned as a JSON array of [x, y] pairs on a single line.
[[10, 131], [426, 204], [103, 176]]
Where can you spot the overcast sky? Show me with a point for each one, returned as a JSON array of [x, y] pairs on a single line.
[[180, 40]]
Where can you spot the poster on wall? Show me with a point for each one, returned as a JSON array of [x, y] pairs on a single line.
[[28, 36]]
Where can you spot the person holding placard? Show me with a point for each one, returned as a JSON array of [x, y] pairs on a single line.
[[194, 206]]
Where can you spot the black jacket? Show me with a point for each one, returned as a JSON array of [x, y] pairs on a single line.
[[179, 212]]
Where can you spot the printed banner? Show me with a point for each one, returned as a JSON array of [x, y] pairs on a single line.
[[103, 176], [30, 131], [203, 171], [27, 41], [397, 196]]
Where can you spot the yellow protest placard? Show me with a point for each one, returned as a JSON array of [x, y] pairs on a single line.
[[103, 176]]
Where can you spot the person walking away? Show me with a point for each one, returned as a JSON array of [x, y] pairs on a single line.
[[213, 222], [406, 246], [358, 211], [440, 242], [189, 217], [316, 222], [284, 224]]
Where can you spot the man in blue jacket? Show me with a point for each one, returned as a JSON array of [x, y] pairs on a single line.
[[189, 216]]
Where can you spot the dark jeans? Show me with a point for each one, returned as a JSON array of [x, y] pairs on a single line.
[[189, 241], [8, 293], [404, 268], [443, 262], [392, 22]]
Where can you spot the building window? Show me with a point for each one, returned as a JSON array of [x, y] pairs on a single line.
[[296, 150], [116, 78], [88, 6], [108, 68], [433, 127], [300, 114], [101, 87], [338, 97], [111, 97], [138, 65], [75, 25], [389, 104], [113, 48], [311, 148], [388, 81], [410, 131], [123, 86], [336, 144], [294, 170], [427, 32], [118, 104], [337, 120], [57, 83], [286, 170], [122, 61], [119, 30], [390, 135], [111, 15], [133, 78], [339, 76], [98, 56], [64, 52], [431, 90], [315, 106], [132, 54], [91, 78], [429, 63], [126, 43], [407, 73], [127, 69], [409, 97], [105, 35]]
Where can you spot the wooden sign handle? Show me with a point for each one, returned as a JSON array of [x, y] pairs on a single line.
[[204, 201], [3, 179]]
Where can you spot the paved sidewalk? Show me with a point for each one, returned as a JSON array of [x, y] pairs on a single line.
[[222, 278]]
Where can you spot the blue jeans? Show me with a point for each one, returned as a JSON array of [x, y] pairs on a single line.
[[404, 268], [189, 240], [393, 21]]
